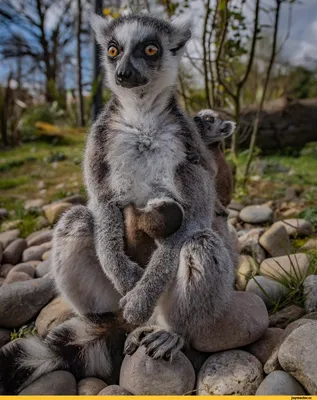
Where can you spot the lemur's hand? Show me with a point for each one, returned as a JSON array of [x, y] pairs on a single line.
[[137, 307]]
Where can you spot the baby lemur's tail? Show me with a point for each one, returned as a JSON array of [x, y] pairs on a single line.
[[85, 347]]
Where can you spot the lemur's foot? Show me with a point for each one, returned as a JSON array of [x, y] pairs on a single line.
[[159, 343], [161, 218]]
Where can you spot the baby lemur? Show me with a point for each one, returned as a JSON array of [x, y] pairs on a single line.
[[142, 150], [139, 242]]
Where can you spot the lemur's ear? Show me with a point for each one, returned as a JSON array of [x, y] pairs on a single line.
[[100, 27], [182, 32], [227, 128]]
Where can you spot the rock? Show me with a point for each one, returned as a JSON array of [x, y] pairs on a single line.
[[233, 213], [11, 225], [263, 348], [39, 238], [270, 291], [276, 241], [279, 383], [17, 277], [256, 214], [54, 383], [286, 315], [90, 386], [142, 375], [298, 354], [312, 316], [280, 267], [21, 301], [41, 222], [272, 363], [5, 337], [296, 227], [234, 205], [24, 267], [13, 252], [3, 214], [36, 252], [114, 390], [53, 314], [42, 269], [1, 252], [34, 205], [311, 244], [233, 372], [310, 293], [1, 281], [4, 269], [46, 255], [249, 244], [54, 210], [247, 268], [245, 322]]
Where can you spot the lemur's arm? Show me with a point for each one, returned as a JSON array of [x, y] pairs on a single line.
[[108, 217]]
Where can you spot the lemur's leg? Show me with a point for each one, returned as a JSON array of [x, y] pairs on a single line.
[[76, 269], [201, 292]]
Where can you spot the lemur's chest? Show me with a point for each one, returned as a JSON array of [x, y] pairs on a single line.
[[143, 161]]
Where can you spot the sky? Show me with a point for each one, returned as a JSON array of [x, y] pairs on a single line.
[[300, 48]]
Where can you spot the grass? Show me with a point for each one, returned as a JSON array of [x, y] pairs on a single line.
[[293, 282], [24, 331]]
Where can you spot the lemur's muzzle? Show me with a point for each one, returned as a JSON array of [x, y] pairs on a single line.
[[129, 77]]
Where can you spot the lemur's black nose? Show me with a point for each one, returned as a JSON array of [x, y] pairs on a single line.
[[128, 76]]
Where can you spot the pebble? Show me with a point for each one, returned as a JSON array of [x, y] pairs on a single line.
[[234, 205], [142, 375], [34, 205], [24, 267], [249, 244], [13, 252], [296, 227], [245, 322], [54, 383], [46, 255], [90, 386], [281, 267], [279, 383], [1, 252], [286, 315], [17, 277], [247, 268], [39, 238], [11, 225], [53, 314], [54, 210], [233, 372], [74, 199], [114, 390], [5, 337], [4, 269], [311, 244], [3, 214], [310, 293], [298, 354], [276, 241], [272, 363], [256, 214], [22, 301], [270, 291], [36, 252], [42, 269], [263, 348]]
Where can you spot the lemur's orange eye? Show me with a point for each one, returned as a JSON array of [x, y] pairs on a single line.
[[113, 51], [151, 50]]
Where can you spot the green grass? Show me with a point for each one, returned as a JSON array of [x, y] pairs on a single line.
[[24, 331]]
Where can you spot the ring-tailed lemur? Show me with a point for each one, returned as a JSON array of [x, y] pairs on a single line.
[[136, 153]]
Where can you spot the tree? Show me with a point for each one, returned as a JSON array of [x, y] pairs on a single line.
[[26, 34], [80, 102]]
